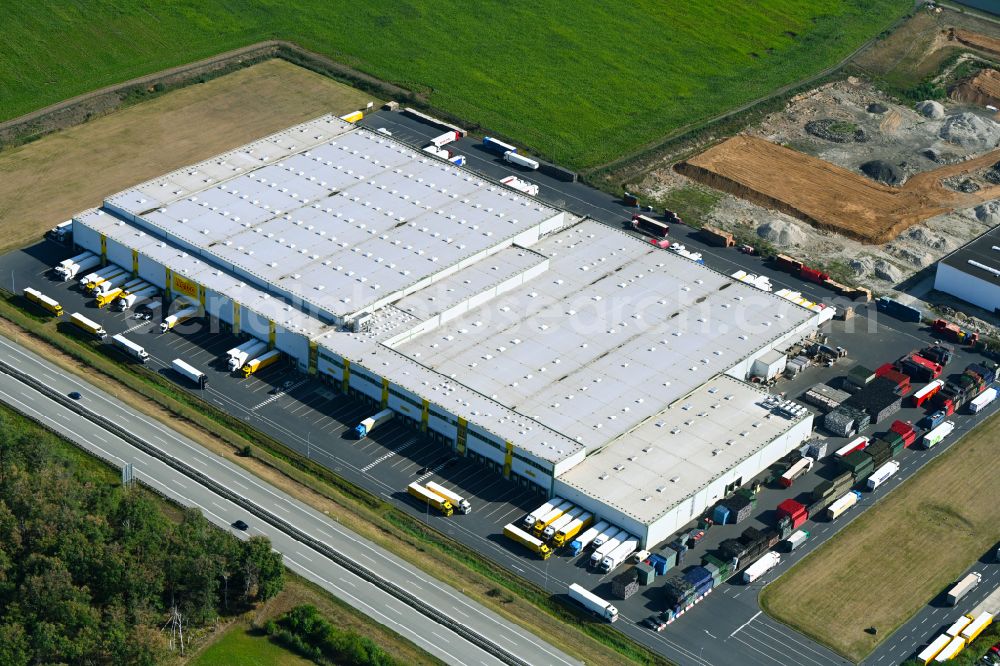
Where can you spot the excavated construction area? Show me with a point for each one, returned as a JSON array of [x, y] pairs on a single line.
[[831, 197], [982, 89]]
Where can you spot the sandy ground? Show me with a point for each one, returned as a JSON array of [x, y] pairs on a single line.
[[46, 182], [899, 136]]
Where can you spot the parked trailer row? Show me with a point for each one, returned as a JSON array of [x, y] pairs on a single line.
[[928, 654], [619, 555], [575, 526], [256, 365], [457, 501], [578, 544], [550, 517], [534, 544], [43, 301], [430, 499], [70, 268], [245, 353], [531, 518], [130, 299]]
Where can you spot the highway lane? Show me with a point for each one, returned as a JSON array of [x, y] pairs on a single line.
[[434, 637]]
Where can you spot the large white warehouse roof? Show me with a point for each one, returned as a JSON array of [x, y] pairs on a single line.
[[341, 218]]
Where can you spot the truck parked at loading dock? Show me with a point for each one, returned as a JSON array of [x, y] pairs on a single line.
[[130, 348], [567, 533], [178, 318], [246, 352], [533, 544], [136, 296], [43, 301], [363, 429], [593, 603], [577, 545], [261, 362], [463, 505], [70, 268], [963, 587], [430, 499], [550, 517], [561, 522], [189, 372], [529, 520], [608, 546], [620, 554], [88, 325]]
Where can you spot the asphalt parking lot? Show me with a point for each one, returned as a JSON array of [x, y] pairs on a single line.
[[315, 419]]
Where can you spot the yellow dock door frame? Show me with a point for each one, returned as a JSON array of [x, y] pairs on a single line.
[[385, 393], [508, 459], [347, 376], [461, 439], [425, 413]]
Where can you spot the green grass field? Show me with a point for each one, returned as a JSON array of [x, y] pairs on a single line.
[[240, 647], [583, 83]]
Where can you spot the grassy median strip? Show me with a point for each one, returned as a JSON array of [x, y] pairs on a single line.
[[899, 554], [488, 583]]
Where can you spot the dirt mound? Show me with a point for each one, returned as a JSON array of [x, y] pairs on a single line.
[[982, 90], [971, 131], [828, 196], [930, 109], [976, 40], [992, 174], [876, 107], [883, 172], [781, 233], [838, 131], [989, 213]]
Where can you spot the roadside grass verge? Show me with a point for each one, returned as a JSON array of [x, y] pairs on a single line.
[[483, 580]]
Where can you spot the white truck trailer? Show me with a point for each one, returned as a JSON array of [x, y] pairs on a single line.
[[601, 551], [620, 554], [363, 429], [253, 350], [963, 587], [934, 437], [130, 348], [128, 300], [561, 522], [602, 537], [531, 518], [100, 277], [577, 545], [593, 603], [520, 160], [550, 517], [61, 233], [979, 403], [104, 288], [178, 318], [460, 503], [66, 272], [190, 372], [840, 506], [767, 562], [882, 474]]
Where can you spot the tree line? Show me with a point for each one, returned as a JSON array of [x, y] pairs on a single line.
[[92, 573]]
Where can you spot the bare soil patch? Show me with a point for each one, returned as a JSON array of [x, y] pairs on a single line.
[[829, 196], [46, 182], [982, 89], [976, 40]]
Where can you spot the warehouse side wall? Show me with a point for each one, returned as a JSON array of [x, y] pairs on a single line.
[[969, 288]]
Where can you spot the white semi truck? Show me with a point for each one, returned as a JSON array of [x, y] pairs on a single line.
[[593, 603], [532, 518], [461, 504], [612, 560], [561, 522], [520, 160], [178, 318], [363, 429], [130, 348], [76, 266], [104, 288], [882, 474], [767, 562], [577, 545], [102, 276], [601, 551], [137, 296], [246, 352], [189, 372]]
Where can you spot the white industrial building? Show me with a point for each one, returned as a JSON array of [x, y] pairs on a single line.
[[972, 272], [553, 350]]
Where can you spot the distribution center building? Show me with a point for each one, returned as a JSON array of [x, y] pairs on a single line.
[[553, 349], [972, 272]]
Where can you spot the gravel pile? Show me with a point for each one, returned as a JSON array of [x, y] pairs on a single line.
[[971, 131], [875, 107], [883, 172], [931, 109], [992, 174], [781, 233]]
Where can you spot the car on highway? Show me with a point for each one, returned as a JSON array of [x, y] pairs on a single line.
[[75, 395], [240, 525], [655, 622]]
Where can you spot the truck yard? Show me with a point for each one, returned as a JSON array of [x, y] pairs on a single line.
[[279, 401]]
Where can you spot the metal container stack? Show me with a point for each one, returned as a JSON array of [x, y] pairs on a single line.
[[646, 573], [846, 420], [625, 584], [859, 464]]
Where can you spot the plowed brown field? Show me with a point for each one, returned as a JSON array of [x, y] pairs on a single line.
[[828, 196]]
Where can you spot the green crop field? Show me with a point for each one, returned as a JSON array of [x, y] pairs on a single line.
[[240, 647], [580, 82]]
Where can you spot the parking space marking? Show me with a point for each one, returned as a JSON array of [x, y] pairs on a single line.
[[278, 395], [432, 471]]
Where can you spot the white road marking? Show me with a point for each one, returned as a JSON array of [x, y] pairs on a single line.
[[739, 628]]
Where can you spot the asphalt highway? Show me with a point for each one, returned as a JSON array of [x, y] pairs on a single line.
[[300, 558]]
